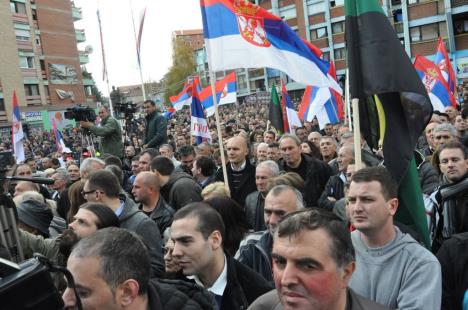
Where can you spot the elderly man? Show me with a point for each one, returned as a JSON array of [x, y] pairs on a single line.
[[391, 267], [255, 249], [443, 134], [314, 172], [262, 152], [315, 137], [255, 201], [168, 151], [313, 261], [90, 165], [328, 146]]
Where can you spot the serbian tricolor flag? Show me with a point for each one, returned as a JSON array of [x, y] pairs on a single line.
[[435, 84], [198, 124], [323, 103], [239, 34], [61, 147], [226, 93], [290, 118], [184, 98], [443, 61], [17, 132], [169, 112]]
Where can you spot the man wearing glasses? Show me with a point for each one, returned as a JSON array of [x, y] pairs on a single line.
[[109, 131]]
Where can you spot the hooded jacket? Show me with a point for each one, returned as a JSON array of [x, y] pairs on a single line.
[[134, 220], [180, 190], [402, 274]]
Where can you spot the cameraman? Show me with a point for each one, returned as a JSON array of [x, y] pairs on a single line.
[[156, 126], [110, 131]]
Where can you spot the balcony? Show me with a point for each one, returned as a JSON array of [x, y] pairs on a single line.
[[80, 35], [456, 3], [77, 13], [84, 58]]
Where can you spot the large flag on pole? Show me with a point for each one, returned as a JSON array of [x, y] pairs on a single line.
[[290, 118], [198, 124], [105, 76], [443, 61], [226, 93], [239, 34], [434, 81], [17, 131], [275, 115], [378, 65], [184, 98]]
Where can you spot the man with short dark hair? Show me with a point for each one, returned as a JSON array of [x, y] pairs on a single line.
[[111, 269], [203, 170], [273, 152], [109, 130], [314, 172], [313, 260], [301, 133], [177, 187], [104, 187], [198, 233], [146, 192], [146, 156], [269, 136], [156, 126], [187, 156], [391, 267]]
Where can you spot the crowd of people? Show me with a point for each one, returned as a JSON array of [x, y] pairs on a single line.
[[150, 223]]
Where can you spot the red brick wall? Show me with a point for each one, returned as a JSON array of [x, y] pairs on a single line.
[[320, 43], [338, 38], [266, 4], [337, 11], [317, 19], [59, 44], [461, 41], [422, 10], [424, 48]]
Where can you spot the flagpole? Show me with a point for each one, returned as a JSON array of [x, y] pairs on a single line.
[[357, 135], [348, 106], [138, 54], [218, 127], [105, 73]]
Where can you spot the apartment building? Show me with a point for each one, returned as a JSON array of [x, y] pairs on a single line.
[[40, 59], [418, 24]]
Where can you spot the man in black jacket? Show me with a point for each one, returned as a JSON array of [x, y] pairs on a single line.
[[314, 172], [112, 270], [198, 232], [241, 173], [156, 126]]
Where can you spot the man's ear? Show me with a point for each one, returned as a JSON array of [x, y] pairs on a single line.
[[347, 273], [216, 239], [392, 206], [127, 292]]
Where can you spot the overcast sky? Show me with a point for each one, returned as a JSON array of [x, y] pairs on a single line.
[[162, 18]]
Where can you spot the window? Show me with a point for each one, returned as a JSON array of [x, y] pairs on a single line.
[[38, 40], [428, 32], [340, 53], [22, 35], [31, 90], [2, 104], [27, 62], [326, 56], [316, 8], [18, 7], [318, 33], [241, 81], [338, 27], [34, 14], [334, 3]]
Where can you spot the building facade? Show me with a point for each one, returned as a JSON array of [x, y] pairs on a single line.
[[40, 59], [418, 24]]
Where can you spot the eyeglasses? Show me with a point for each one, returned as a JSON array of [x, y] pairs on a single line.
[[88, 192]]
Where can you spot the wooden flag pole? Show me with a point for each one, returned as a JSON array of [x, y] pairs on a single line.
[[348, 106], [218, 127], [357, 135]]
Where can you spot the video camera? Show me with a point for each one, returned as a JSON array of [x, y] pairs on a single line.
[[125, 110], [80, 113]]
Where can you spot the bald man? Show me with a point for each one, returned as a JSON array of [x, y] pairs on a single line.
[[146, 192], [240, 172]]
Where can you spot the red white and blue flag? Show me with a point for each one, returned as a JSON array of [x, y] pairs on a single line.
[[17, 131], [239, 34], [61, 147], [290, 118], [323, 103], [169, 112], [435, 84], [226, 93], [198, 124], [443, 61], [184, 98]]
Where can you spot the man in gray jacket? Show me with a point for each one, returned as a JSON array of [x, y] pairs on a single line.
[[391, 267], [104, 187]]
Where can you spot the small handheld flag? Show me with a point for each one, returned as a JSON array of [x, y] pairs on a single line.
[[17, 131]]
